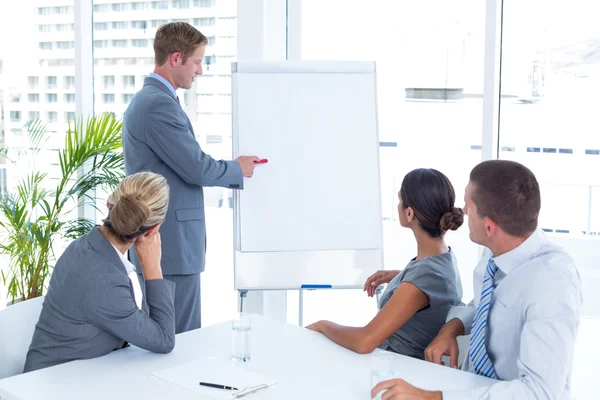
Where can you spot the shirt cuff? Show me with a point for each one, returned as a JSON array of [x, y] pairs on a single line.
[[236, 174]]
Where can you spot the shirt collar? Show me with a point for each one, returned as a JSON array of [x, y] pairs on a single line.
[[129, 267], [507, 262], [164, 82]]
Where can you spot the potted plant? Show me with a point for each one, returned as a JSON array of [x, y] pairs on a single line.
[[42, 210]]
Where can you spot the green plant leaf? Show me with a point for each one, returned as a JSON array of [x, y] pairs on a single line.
[[40, 210]]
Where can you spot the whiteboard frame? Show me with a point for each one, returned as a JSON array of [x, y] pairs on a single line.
[[240, 257]]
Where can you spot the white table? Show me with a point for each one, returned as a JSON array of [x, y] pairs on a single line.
[[306, 364]]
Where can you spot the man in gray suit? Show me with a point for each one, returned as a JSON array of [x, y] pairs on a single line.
[[158, 137]]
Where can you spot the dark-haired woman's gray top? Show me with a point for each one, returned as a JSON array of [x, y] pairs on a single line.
[[439, 279]]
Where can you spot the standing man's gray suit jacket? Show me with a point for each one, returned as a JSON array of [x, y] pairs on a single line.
[[89, 309], [158, 137]]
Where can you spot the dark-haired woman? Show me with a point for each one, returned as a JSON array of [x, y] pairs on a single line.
[[417, 299]]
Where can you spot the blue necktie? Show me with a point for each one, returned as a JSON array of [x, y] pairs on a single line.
[[477, 347]]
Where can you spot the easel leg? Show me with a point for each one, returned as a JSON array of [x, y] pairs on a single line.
[[301, 308]]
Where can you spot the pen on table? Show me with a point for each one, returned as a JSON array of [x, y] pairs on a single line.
[[214, 385]]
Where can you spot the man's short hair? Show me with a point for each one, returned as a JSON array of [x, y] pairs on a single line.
[[176, 37], [509, 194]]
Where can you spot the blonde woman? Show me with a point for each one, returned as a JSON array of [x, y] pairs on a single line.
[[92, 306]]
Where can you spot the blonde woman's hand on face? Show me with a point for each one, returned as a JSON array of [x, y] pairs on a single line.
[[148, 249]]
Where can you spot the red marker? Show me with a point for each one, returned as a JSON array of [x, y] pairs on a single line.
[[261, 161]]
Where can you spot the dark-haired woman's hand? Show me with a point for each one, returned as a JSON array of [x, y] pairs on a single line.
[[377, 279]]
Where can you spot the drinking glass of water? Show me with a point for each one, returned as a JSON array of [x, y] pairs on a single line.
[[382, 368], [241, 327]]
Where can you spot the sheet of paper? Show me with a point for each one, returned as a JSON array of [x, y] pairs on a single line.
[[320, 188], [216, 371]]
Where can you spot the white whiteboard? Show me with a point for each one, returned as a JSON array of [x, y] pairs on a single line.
[[311, 215]]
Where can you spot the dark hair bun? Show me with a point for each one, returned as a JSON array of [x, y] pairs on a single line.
[[452, 220]]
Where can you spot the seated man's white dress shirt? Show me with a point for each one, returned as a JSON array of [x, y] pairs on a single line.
[[532, 322]]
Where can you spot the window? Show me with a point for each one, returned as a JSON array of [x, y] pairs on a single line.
[[140, 6], [65, 27], [57, 63], [228, 26], [158, 22], [108, 98], [439, 97], [120, 7], [15, 98], [211, 41], [138, 24], [128, 81], [160, 5], [130, 57], [101, 26], [35, 54], [110, 61], [181, 3], [69, 98], [69, 82], [33, 82], [15, 116], [69, 116], [100, 44], [52, 117], [140, 43], [65, 45], [204, 21], [119, 25], [204, 3], [119, 43], [109, 81], [548, 105], [51, 82], [546, 114], [63, 10], [101, 7], [208, 60]]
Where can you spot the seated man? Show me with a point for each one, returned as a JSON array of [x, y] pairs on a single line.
[[524, 319]]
